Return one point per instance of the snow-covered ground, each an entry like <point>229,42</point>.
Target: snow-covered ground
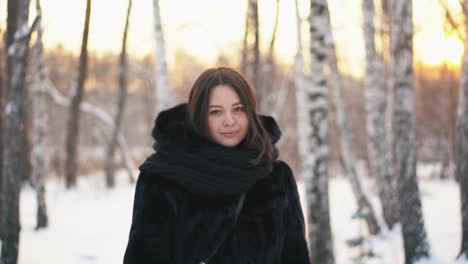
<point>441,209</point>
<point>89,225</point>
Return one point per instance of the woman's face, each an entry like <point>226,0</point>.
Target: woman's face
<point>227,121</point>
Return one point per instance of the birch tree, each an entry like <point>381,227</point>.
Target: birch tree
<point>365,207</point>
<point>318,217</point>
<point>385,33</point>
<point>17,58</point>
<point>462,144</point>
<point>377,140</point>
<point>161,76</point>
<point>110,178</point>
<point>77,91</point>
<point>25,171</point>
<point>303,125</point>
<point>39,126</point>
<point>2,116</point>
<point>404,137</point>
<point>250,63</point>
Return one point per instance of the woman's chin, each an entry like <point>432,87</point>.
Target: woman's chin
<point>228,142</point>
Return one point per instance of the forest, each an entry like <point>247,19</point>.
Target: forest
<point>378,144</point>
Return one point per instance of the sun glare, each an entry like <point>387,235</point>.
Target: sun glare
<point>454,51</point>
<point>439,49</point>
<point>204,33</point>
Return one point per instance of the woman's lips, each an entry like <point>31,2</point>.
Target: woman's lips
<point>229,134</point>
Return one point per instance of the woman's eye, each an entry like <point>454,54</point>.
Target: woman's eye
<point>239,109</point>
<point>215,112</point>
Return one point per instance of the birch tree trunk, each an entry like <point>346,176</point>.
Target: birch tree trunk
<point>110,178</point>
<point>39,127</point>
<point>12,13</point>
<point>17,60</point>
<point>77,89</point>
<point>26,165</point>
<point>163,87</point>
<point>365,206</point>
<point>462,145</point>
<point>250,64</point>
<point>319,229</point>
<point>3,90</point>
<point>12,26</point>
<point>377,141</point>
<point>414,233</point>
<point>303,124</point>
<point>385,35</point>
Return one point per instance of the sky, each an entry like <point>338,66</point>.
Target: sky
<point>206,28</point>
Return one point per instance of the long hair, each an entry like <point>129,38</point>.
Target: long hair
<point>197,109</point>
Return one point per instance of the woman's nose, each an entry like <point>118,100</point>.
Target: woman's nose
<point>229,119</point>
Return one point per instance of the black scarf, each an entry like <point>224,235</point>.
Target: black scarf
<point>201,166</point>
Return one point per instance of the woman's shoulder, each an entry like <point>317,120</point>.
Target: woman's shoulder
<point>282,166</point>
<point>154,182</point>
<point>281,179</point>
<point>274,191</point>
<point>285,174</point>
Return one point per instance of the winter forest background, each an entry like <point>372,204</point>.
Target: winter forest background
<point>371,96</point>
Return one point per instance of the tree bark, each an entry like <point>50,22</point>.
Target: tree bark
<point>319,229</point>
<point>385,35</point>
<point>344,131</point>
<point>110,178</point>
<point>12,21</point>
<point>77,89</point>
<point>39,127</point>
<point>462,145</point>
<point>26,165</point>
<point>365,206</point>
<point>303,125</point>
<point>412,221</point>
<point>3,91</point>
<point>377,140</point>
<point>163,99</point>
<point>17,53</point>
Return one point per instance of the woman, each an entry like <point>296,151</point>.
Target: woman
<point>214,191</point>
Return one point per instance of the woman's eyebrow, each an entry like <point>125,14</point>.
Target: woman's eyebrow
<point>234,104</point>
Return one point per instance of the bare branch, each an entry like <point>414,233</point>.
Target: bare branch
<point>102,115</point>
<point>463,6</point>
<point>450,18</point>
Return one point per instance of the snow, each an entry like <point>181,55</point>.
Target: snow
<point>441,209</point>
<point>90,224</point>
<point>87,225</point>
<point>463,259</point>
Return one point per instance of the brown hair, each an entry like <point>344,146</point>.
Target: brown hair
<point>197,109</point>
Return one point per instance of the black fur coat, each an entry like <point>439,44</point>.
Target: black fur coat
<point>176,221</point>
